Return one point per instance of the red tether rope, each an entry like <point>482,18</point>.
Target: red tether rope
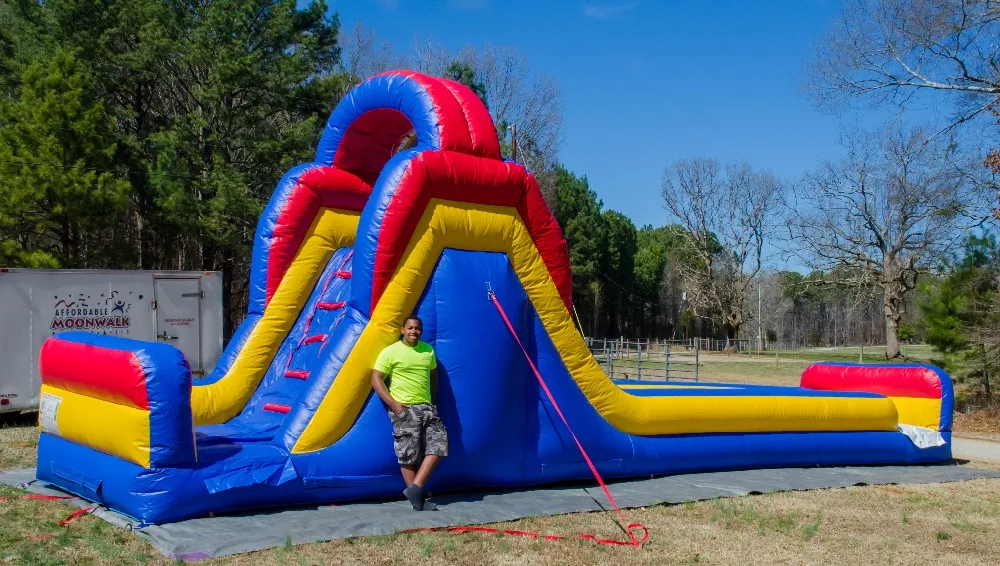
<point>75,514</point>
<point>635,541</point>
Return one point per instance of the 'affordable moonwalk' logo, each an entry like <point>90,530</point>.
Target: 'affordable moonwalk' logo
<point>106,315</point>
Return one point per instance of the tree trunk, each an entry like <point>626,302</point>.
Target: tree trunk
<point>732,330</point>
<point>595,324</point>
<point>892,318</point>
<point>67,237</point>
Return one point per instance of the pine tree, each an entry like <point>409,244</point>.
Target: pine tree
<point>60,184</point>
<point>962,313</point>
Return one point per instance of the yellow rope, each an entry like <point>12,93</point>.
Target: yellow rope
<point>577,315</point>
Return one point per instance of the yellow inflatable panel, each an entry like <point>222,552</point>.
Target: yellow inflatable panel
<point>476,227</point>
<point>220,401</point>
<point>107,427</point>
<point>919,411</point>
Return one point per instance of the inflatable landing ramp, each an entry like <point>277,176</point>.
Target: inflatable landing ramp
<point>351,244</point>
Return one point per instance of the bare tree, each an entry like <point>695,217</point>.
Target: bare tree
<point>992,163</point>
<point>364,55</point>
<point>516,94</point>
<point>727,214</point>
<point>882,215</point>
<point>775,307</point>
<point>890,50</point>
<point>519,95</point>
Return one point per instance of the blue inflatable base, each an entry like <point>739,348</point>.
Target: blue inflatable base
<point>503,432</point>
<point>168,495</point>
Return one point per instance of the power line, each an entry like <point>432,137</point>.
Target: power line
<point>626,291</point>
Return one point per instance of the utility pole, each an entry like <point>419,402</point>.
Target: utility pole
<point>513,142</point>
<point>684,298</point>
<point>760,341</point>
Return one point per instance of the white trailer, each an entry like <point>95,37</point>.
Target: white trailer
<point>181,308</point>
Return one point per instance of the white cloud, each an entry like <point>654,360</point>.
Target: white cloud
<point>608,10</point>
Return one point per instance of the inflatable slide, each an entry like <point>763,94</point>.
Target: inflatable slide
<point>351,244</point>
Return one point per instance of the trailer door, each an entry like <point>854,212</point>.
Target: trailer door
<point>178,317</point>
<point>19,382</point>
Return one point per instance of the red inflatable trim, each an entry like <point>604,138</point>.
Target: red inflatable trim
<point>112,375</point>
<point>482,131</point>
<point>370,141</point>
<point>322,187</point>
<point>884,380</point>
<point>464,178</point>
<point>463,121</point>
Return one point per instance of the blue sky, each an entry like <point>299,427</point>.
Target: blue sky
<point>647,82</point>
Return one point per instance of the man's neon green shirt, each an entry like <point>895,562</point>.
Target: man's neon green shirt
<point>409,369</point>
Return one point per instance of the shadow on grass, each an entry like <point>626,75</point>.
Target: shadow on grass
<point>17,420</point>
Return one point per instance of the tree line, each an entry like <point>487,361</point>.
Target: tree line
<point>150,134</point>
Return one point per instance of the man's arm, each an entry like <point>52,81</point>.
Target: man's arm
<point>434,385</point>
<point>378,384</point>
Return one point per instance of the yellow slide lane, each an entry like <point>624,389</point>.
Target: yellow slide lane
<point>447,224</point>
<point>218,402</point>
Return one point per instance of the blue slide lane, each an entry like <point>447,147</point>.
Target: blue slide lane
<point>502,430</point>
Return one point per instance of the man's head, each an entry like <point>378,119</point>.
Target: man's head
<point>412,329</point>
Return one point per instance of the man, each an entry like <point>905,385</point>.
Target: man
<point>419,436</point>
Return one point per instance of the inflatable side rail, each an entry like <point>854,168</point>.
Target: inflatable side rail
<point>123,397</point>
<point>923,394</point>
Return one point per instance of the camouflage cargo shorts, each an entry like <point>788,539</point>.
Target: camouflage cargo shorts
<point>418,432</point>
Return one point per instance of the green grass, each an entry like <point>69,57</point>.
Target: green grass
<point>810,529</point>
<point>31,534</point>
<point>783,367</point>
<point>731,513</point>
<point>872,354</point>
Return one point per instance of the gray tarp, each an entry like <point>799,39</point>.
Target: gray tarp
<point>196,539</point>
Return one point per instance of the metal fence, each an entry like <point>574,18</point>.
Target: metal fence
<point>713,345</point>
<point>654,360</point>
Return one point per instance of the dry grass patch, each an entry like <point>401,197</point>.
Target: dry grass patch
<point>937,523</point>
<point>18,441</point>
<point>752,371</point>
<point>978,423</point>
<point>914,524</point>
